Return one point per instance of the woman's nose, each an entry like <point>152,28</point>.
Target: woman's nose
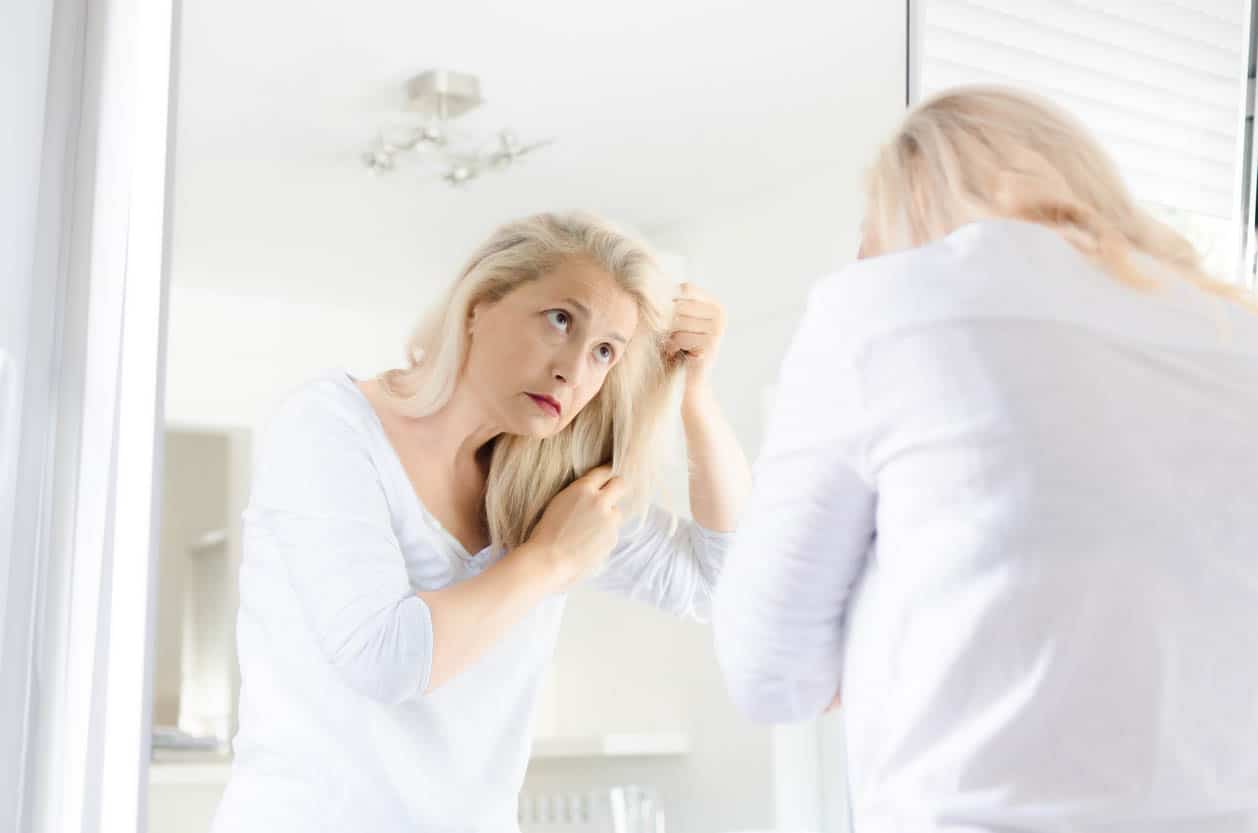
<point>567,368</point>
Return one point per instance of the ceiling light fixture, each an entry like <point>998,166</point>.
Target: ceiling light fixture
<point>440,96</point>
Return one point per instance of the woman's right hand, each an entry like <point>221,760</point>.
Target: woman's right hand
<point>577,531</point>
<point>574,536</point>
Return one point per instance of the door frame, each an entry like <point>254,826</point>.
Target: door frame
<point>92,385</point>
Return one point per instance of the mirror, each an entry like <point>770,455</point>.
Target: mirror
<point>334,169</point>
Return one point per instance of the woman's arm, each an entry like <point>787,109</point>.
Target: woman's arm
<point>780,606</point>
<point>575,533</point>
<point>720,478</point>
<point>472,615</point>
<point>667,562</point>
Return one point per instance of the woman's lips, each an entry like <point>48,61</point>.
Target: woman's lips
<point>547,404</point>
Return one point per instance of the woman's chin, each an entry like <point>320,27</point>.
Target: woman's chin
<point>548,428</point>
<point>537,427</point>
<point>537,423</point>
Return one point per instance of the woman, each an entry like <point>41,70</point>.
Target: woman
<point>1005,503</point>
<point>410,539</point>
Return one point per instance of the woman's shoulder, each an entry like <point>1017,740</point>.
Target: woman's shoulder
<point>319,437</point>
<point>329,402</point>
<point>1018,271</point>
<point>866,299</point>
<point>325,413</point>
<point>989,269</point>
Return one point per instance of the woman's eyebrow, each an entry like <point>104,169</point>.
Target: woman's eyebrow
<point>581,308</point>
<point>585,311</point>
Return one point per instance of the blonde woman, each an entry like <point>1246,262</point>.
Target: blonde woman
<point>410,539</point>
<point>1005,509</point>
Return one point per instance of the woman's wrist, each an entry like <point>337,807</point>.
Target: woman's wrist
<point>537,565</point>
<point>698,399</point>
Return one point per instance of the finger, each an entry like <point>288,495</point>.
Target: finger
<point>712,313</point>
<point>690,324</point>
<point>690,290</point>
<point>597,477</point>
<point>699,309</point>
<point>689,342</point>
<point>613,490</point>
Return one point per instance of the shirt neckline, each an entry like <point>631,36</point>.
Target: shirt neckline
<point>399,471</point>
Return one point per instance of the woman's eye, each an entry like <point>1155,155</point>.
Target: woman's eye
<point>605,353</point>
<point>559,318</point>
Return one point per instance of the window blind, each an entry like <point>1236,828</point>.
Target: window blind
<point>1161,83</point>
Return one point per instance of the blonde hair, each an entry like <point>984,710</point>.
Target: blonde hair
<point>982,152</point>
<point>619,425</point>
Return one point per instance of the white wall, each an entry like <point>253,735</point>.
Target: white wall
<point>230,358</point>
<point>196,679</point>
<point>194,502</point>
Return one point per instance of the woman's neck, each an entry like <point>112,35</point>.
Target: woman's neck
<point>458,435</point>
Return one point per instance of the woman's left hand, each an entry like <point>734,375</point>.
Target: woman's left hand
<point>695,332</point>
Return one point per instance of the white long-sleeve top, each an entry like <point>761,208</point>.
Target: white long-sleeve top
<point>1009,506</point>
<point>336,730</point>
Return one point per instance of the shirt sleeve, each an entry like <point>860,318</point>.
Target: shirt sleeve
<point>779,608</point>
<point>319,500</point>
<point>666,561</point>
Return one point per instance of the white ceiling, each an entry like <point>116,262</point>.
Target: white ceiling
<point>662,110</point>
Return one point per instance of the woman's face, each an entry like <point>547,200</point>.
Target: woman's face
<point>541,353</point>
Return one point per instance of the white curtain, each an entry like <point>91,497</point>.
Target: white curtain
<point>10,442</point>
<point>12,693</point>
<point>24,57</point>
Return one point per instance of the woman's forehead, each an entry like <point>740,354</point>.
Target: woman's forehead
<point>592,288</point>
<point>579,275</point>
